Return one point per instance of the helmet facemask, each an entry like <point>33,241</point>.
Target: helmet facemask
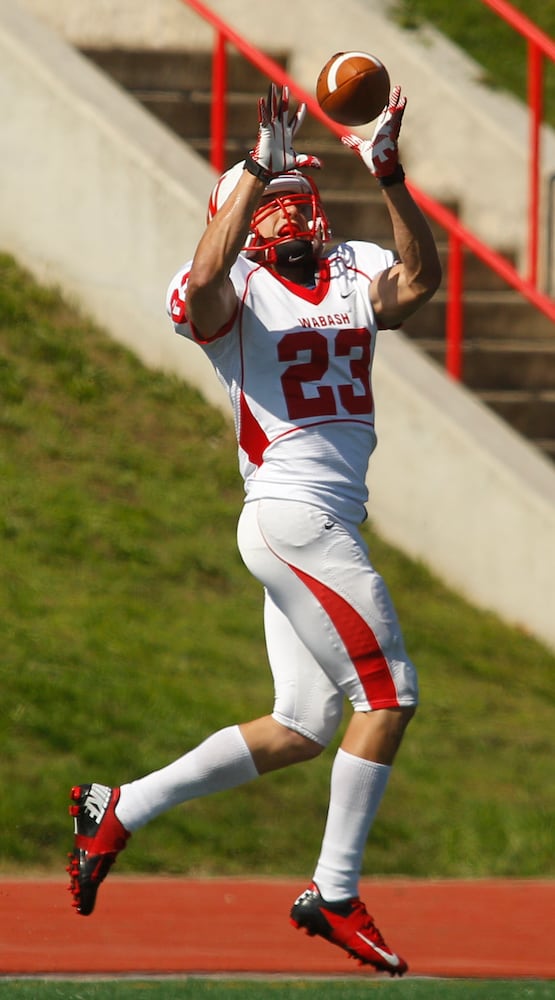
<point>290,189</point>
<point>304,229</point>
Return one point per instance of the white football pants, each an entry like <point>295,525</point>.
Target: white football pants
<point>331,628</point>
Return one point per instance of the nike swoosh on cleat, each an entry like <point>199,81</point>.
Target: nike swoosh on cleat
<point>387,957</point>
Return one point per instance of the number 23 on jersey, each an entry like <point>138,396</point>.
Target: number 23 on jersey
<point>310,357</point>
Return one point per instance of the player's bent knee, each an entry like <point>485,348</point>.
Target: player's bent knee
<point>317,737</point>
<point>394,722</point>
<point>301,747</point>
<point>408,713</point>
<point>397,719</point>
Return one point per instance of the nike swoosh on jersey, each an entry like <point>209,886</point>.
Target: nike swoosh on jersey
<point>389,958</point>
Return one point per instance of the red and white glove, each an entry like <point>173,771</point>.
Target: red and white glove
<point>381,153</point>
<point>274,153</point>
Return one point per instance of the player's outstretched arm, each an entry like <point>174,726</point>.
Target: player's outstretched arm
<point>211,299</point>
<point>404,287</point>
<point>397,292</point>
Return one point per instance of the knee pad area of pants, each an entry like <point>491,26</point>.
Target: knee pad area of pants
<point>319,728</point>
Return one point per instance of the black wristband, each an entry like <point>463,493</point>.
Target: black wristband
<point>256,169</point>
<point>396,177</point>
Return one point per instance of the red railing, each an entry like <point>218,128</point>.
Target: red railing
<point>539,46</point>
<point>459,236</point>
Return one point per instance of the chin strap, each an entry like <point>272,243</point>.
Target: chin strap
<point>294,256</point>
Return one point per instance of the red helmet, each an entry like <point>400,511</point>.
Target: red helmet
<point>299,189</point>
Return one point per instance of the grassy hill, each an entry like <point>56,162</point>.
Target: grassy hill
<point>131,630</point>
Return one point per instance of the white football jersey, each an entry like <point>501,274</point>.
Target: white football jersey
<point>296,365</point>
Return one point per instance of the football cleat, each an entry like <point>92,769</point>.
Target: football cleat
<point>348,925</point>
<point>99,837</point>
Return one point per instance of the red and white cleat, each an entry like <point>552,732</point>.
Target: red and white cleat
<point>348,925</point>
<point>99,837</point>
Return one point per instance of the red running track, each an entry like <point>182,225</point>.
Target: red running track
<point>487,929</point>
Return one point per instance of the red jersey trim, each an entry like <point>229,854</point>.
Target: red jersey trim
<point>314,295</point>
<point>369,423</point>
<point>219,333</point>
<point>252,438</point>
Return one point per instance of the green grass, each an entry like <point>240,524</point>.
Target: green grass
<point>479,31</point>
<point>130,630</point>
<point>198,989</point>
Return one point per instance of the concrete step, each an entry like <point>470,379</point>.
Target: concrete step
<point>492,315</point>
<point>178,71</point>
<point>360,214</point>
<point>528,407</point>
<point>546,445</point>
<point>531,413</point>
<point>511,366</point>
<point>496,365</point>
<point>477,276</point>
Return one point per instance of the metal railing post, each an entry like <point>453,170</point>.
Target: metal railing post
<point>550,248</point>
<point>454,312</point>
<point>535,102</point>
<point>539,46</point>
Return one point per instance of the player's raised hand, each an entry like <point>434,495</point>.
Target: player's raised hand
<point>381,153</point>
<point>274,152</point>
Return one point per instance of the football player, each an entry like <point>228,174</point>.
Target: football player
<point>290,323</point>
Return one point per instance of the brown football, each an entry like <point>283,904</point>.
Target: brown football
<point>353,88</point>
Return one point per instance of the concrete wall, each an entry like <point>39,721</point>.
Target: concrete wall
<point>453,485</point>
<point>104,201</point>
<point>96,195</point>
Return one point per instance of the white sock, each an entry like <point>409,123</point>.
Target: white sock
<point>357,787</point>
<point>222,761</point>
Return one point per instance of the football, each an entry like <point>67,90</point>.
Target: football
<point>353,88</point>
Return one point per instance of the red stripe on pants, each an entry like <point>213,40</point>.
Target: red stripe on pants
<point>360,643</point>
